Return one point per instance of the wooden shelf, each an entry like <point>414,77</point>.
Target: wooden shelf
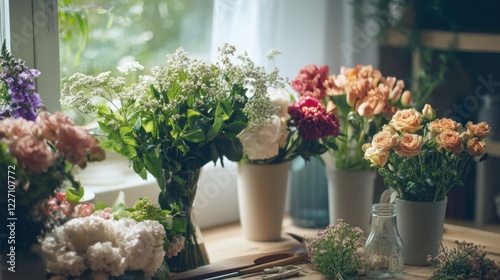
<point>445,40</point>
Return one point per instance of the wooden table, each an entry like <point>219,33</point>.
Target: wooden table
<point>225,242</point>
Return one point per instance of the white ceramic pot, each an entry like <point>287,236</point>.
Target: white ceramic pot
<point>350,196</point>
<point>261,197</point>
<point>420,225</point>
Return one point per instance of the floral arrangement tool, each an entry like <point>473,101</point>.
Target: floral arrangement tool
<point>244,265</point>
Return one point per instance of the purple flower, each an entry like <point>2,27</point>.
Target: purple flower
<point>20,95</point>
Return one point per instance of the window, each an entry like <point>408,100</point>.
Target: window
<point>4,20</point>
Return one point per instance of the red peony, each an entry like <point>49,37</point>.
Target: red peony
<point>312,120</point>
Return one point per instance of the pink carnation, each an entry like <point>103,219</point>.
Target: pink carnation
<point>310,81</point>
<point>312,120</point>
<point>33,153</point>
<point>83,210</point>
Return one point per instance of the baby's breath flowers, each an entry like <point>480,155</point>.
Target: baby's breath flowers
<point>183,114</point>
<point>334,251</point>
<point>466,261</point>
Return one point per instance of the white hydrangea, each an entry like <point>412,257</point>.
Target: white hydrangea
<point>104,246</point>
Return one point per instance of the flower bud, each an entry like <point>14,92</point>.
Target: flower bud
<point>428,112</point>
<point>406,99</point>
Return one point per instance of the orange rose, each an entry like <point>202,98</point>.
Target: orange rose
<point>384,141</point>
<point>444,124</point>
<point>409,145</point>
<point>451,141</point>
<point>33,153</point>
<point>407,120</point>
<point>481,129</point>
<point>376,157</point>
<point>476,147</point>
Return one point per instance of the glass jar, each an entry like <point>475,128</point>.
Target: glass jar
<point>384,251</point>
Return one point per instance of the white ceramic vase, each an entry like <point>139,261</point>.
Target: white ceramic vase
<point>420,225</point>
<point>350,196</point>
<point>261,197</point>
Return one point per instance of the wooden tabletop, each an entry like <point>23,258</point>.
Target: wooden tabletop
<point>226,242</point>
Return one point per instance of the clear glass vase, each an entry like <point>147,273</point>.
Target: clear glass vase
<point>181,188</point>
<point>309,194</point>
<point>384,251</point>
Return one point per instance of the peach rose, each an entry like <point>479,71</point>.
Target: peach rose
<point>406,99</point>
<point>428,112</point>
<point>476,147</point>
<point>389,129</point>
<point>444,124</point>
<point>481,129</point>
<point>384,141</point>
<point>33,153</point>
<point>451,141</point>
<point>407,120</point>
<point>376,157</point>
<point>409,145</point>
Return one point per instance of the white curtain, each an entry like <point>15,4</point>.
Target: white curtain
<point>306,32</point>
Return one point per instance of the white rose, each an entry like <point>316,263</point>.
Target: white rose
<point>262,142</point>
<point>281,98</point>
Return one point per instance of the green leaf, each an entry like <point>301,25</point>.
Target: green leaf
<point>193,116</point>
<point>129,141</point>
<point>104,110</point>
<point>105,127</point>
<point>179,225</point>
<point>194,135</point>
<point>236,127</point>
<point>100,206</point>
<point>227,109</point>
<point>75,195</point>
<point>215,130</point>
<point>149,126</point>
<point>153,164</point>
<point>128,152</point>
<point>125,130</point>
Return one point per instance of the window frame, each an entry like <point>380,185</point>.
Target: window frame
<point>33,36</point>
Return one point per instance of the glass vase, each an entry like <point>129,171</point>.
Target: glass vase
<point>384,251</point>
<point>309,194</point>
<point>181,188</point>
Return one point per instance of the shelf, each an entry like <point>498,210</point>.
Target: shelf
<point>445,40</point>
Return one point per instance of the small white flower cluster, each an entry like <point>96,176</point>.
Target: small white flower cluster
<point>180,78</point>
<point>106,247</point>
